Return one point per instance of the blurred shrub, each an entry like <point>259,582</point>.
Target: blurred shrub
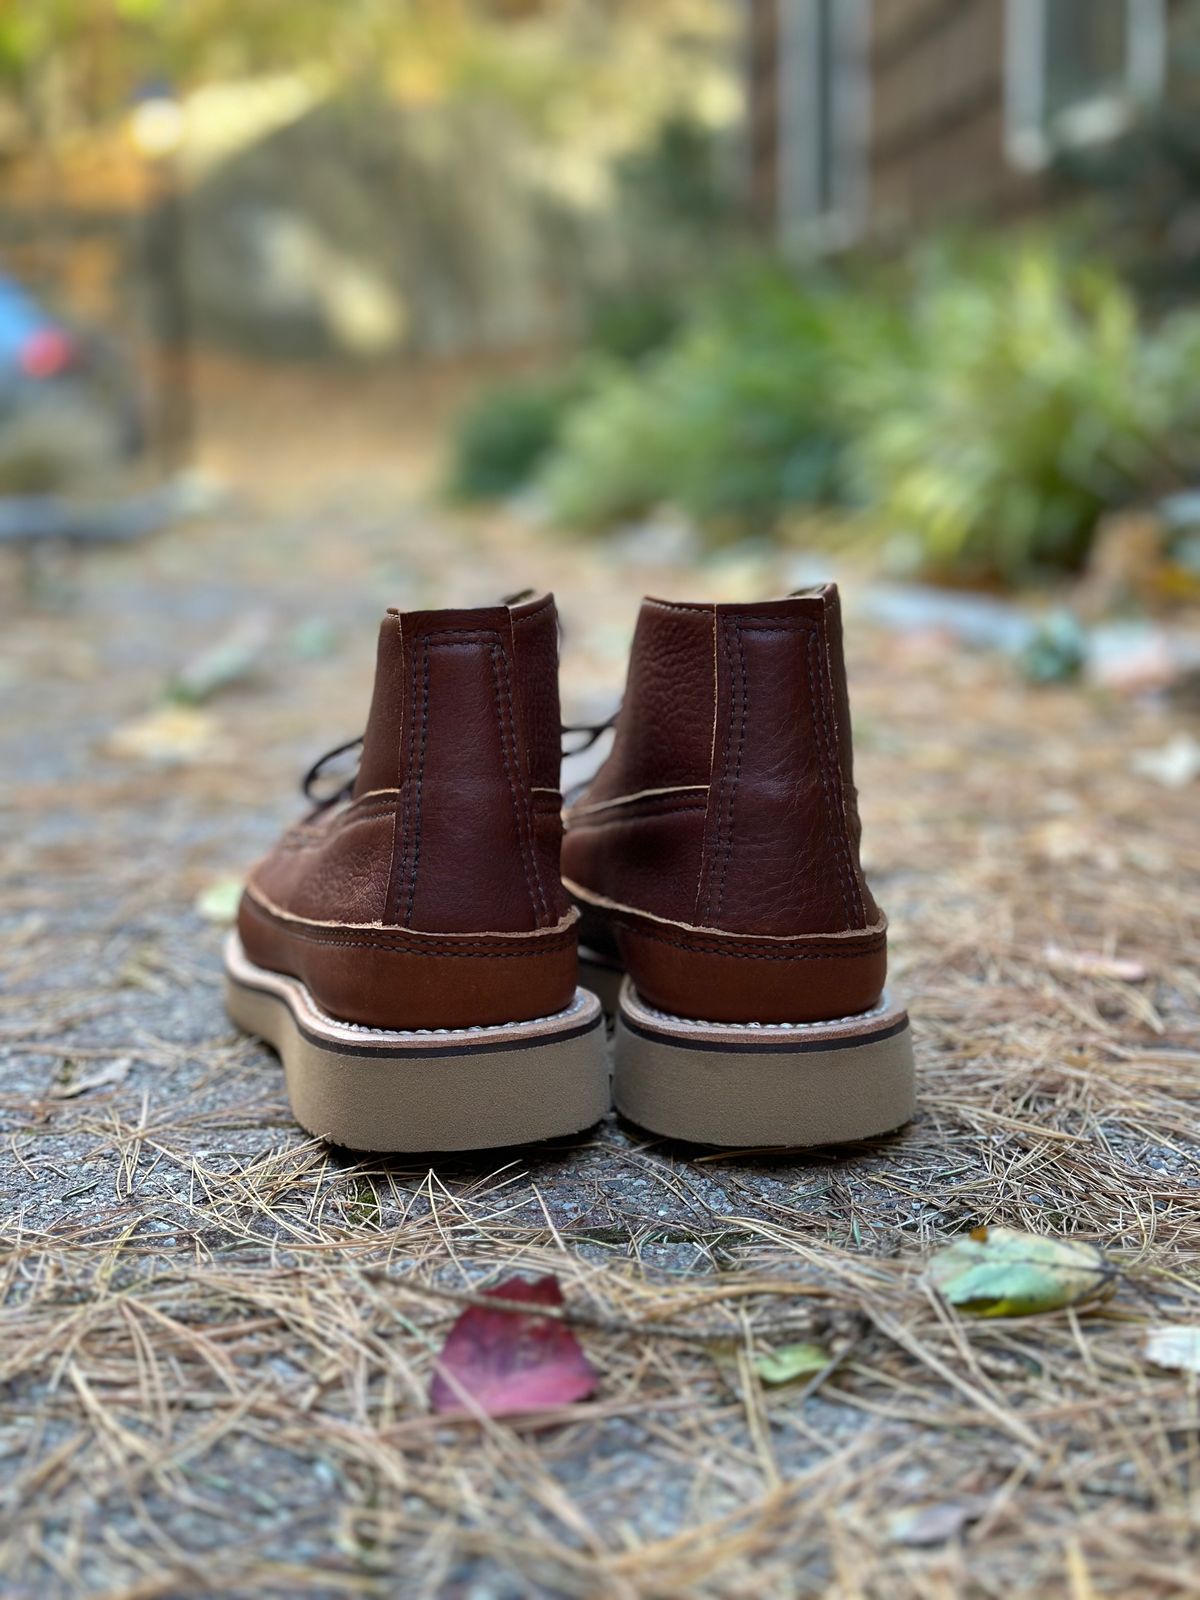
<point>1022,400</point>
<point>503,438</point>
<point>732,422</point>
<point>990,401</point>
<point>634,323</point>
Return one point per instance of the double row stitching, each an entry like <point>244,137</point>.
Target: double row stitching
<point>419,781</point>
<point>400,867</point>
<point>529,865</point>
<point>828,757</point>
<point>704,889</point>
<point>743,700</point>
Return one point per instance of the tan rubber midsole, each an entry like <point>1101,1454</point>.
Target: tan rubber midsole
<point>453,1089</point>
<point>769,1085</point>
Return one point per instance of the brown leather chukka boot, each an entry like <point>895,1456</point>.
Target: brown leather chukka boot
<point>715,858</point>
<point>408,948</point>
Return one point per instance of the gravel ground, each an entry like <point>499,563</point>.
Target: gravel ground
<point>217,1333</point>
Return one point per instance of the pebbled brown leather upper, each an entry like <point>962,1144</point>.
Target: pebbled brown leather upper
<point>718,845</point>
<point>432,898</point>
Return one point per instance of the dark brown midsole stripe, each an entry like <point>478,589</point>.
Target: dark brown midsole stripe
<point>418,1052</point>
<point>801,1047</point>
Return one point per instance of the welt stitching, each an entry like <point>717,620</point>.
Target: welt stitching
<point>536,895</point>
<point>547,943</point>
<point>755,955</point>
<point>474,953</point>
<point>744,698</point>
<point>837,815</point>
<point>420,784</point>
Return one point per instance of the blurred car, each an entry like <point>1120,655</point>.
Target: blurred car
<point>68,403</point>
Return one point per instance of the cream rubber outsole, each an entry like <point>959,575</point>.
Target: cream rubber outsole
<point>763,1084</point>
<point>452,1089</point>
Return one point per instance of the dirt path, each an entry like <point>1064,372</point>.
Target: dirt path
<point>217,1334</point>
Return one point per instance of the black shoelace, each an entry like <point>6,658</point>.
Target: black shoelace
<point>587,732</point>
<point>322,802</point>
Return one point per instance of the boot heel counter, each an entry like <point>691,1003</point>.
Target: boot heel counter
<point>781,837</point>
<point>475,844</point>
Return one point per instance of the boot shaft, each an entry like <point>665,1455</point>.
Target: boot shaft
<point>728,801</point>
<point>463,740</point>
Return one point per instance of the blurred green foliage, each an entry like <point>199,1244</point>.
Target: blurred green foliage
<point>731,421</point>
<point>507,433</point>
<point>989,400</point>
<point>1019,398</point>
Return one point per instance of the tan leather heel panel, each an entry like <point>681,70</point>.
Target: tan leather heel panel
<point>382,978</point>
<point>694,975</point>
<point>649,858</point>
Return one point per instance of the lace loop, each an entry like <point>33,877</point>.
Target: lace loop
<point>589,731</point>
<point>323,802</point>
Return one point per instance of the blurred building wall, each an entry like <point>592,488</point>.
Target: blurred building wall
<point>878,118</point>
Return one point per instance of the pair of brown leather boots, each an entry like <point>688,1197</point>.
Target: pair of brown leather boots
<point>432,955</point>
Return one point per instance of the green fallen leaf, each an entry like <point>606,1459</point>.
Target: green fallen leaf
<point>790,1361</point>
<point>1174,1346</point>
<point>219,902</point>
<point>1002,1272</point>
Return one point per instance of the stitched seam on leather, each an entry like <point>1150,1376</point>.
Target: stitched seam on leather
<point>766,1027</point>
<point>591,900</point>
<point>530,616</point>
<point>542,942</point>
<point>845,791</point>
<point>396,831</point>
<point>834,795</point>
<point>419,795</point>
<point>821,729</point>
<point>827,756</point>
<point>480,954</point>
<point>755,955</point>
<point>629,814</point>
<point>700,791</point>
<point>399,873</point>
<point>702,906</point>
<point>744,699</point>
<point>521,818</point>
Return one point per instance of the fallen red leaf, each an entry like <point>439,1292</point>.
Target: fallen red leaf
<point>509,1361</point>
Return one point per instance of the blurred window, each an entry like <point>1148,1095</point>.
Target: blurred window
<point>1077,69</point>
<point>824,108</point>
